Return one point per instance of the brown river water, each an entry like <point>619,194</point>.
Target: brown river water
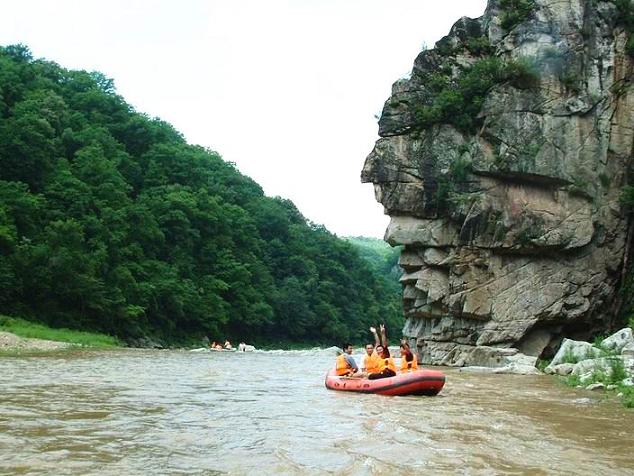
<point>130,412</point>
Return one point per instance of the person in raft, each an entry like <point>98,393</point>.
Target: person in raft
<point>346,366</point>
<point>372,360</point>
<point>409,361</point>
<point>387,367</point>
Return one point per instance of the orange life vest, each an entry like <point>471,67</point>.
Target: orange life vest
<point>387,364</point>
<point>405,365</point>
<point>372,363</point>
<point>342,365</point>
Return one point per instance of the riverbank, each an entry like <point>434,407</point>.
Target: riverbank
<point>19,336</point>
<point>606,365</point>
<point>11,343</point>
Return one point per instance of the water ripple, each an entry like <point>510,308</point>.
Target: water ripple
<point>169,412</point>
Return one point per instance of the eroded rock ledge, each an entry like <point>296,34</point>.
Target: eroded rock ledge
<point>513,231</point>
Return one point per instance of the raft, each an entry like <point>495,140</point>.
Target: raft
<point>209,349</point>
<point>418,382</point>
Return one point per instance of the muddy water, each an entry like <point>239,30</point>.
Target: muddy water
<point>170,412</point>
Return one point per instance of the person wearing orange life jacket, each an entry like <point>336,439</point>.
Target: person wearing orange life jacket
<point>409,361</point>
<point>345,363</point>
<point>372,359</point>
<point>387,367</point>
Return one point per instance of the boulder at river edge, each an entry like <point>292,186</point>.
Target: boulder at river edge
<point>585,360</point>
<point>514,236</point>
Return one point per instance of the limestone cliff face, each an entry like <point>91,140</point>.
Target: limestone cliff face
<point>513,231</point>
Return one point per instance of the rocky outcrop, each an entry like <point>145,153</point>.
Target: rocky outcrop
<point>611,361</point>
<point>500,163</point>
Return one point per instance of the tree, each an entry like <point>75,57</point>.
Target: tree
<point>110,221</point>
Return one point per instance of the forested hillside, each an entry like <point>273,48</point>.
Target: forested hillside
<point>381,256</point>
<point>110,221</point>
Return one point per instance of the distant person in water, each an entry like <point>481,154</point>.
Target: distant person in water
<point>409,361</point>
<point>228,345</point>
<point>345,364</point>
<point>387,367</point>
<point>242,347</point>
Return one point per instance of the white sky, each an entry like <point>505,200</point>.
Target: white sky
<point>286,89</point>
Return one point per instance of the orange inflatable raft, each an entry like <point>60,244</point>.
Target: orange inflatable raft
<point>418,382</point>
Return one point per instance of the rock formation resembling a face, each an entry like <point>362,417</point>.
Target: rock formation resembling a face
<point>501,165</point>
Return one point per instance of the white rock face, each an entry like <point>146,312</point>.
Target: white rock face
<point>619,340</point>
<point>513,230</point>
<point>561,369</point>
<point>627,352</point>
<point>573,350</point>
<point>586,368</point>
<point>504,361</point>
<point>594,364</point>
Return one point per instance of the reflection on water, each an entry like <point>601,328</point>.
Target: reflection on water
<point>170,412</point>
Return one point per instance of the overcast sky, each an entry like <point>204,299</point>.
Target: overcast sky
<point>286,89</point>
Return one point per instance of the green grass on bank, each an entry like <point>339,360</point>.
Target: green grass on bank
<point>24,328</point>
<point>626,393</point>
<point>611,378</point>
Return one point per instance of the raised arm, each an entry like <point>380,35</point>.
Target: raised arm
<point>383,335</point>
<point>376,336</point>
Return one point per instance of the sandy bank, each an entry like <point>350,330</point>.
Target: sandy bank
<point>11,342</point>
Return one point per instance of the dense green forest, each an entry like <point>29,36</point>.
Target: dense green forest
<point>110,221</point>
<point>381,256</point>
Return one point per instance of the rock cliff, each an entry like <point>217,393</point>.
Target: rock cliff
<point>500,161</point>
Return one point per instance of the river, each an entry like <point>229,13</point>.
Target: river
<point>177,412</point>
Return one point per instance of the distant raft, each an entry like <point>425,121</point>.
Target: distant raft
<point>418,382</point>
<point>245,348</point>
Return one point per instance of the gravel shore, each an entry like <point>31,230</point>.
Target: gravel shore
<point>11,342</point>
